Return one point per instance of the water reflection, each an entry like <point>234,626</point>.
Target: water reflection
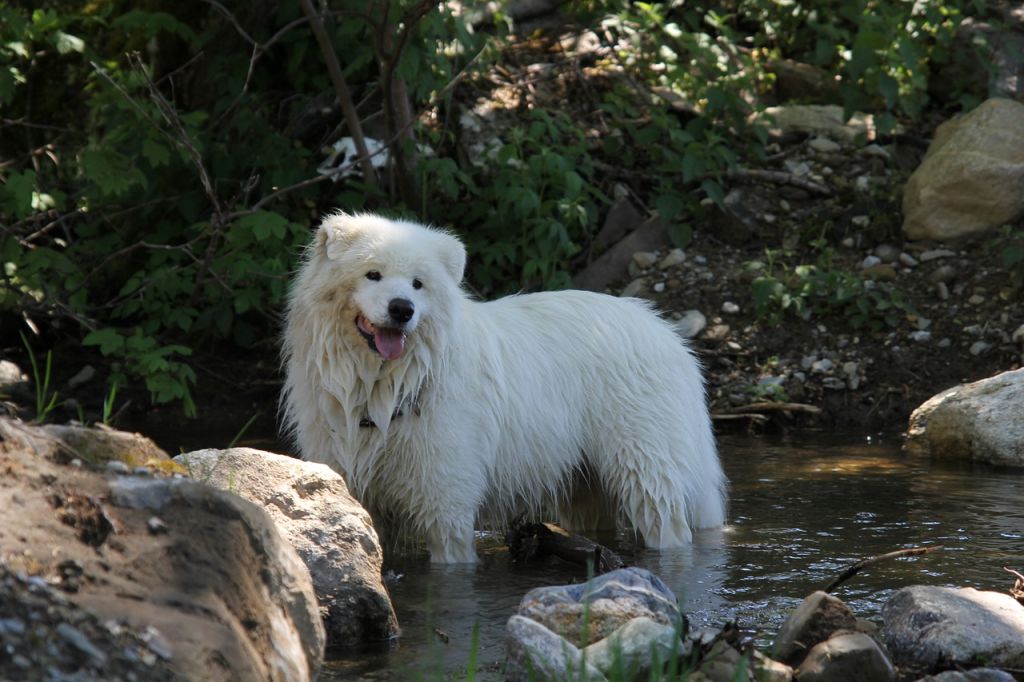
<point>801,511</point>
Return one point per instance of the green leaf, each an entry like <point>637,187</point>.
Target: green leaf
<point>264,224</point>
<point>668,206</point>
<point>112,173</point>
<point>156,153</point>
<point>714,190</point>
<point>107,339</point>
<point>19,190</point>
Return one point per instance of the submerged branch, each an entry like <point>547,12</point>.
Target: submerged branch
<point>864,563</point>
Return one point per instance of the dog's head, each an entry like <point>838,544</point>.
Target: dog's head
<point>394,275</point>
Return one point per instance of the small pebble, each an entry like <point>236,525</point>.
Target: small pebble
<point>944,343</point>
<point>156,525</point>
<point>870,262</point>
<point>862,183</point>
<point>920,336</point>
<point>1018,336</point>
<point>645,259</point>
<point>888,253</point>
<point>12,626</point>
<point>908,260</point>
<point>976,299</point>
<point>75,638</point>
<point>730,308</point>
<point>860,220</point>
<point>943,273</point>
<point>824,145</point>
<point>634,287</point>
<point>942,291</point>
<point>658,287</point>
<point>979,347</point>
<point>935,254</point>
<point>877,151</point>
<point>690,324</point>
<point>822,366</point>
<point>847,242</point>
<point>673,257</point>
<point>116,466</point>
<point>833,383</point>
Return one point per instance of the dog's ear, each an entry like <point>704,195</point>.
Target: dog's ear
<point>453,256</point>
<point>336,234</point>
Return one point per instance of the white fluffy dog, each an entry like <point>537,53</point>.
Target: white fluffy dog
<point>440,410</point>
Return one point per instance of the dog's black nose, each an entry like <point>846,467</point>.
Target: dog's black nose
<point>400,310</point>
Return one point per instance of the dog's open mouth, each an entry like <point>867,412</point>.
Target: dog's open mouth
<point>388,342</point>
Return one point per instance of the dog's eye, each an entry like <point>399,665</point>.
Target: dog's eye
<point>417,284</point>
<point>373,275</point>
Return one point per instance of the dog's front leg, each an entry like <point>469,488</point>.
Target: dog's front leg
<point>451,543</point>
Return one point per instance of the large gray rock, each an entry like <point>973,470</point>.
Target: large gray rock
<point>634,647</point>
<point>935,628</point>
<point>536,654</point>
<point>609,601</point>
<point>331,532</point>
<point>982,421</point>
<point>970,179</point>
<point>813,621</point>
<point>851,657</point>
<point>203,573</point>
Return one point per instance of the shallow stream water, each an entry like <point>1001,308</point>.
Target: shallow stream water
<point>801,510</point>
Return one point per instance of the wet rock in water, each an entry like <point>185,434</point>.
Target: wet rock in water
<point>969,181</point>
<point>934,628</point>
<point>536,654</point>
<point>817,617</point>
<point>849,657</point>
<point>330,530</point>
<point>609,602</point>
<point>216,594</point>
<point>982,421</point>
<point>634,647</point>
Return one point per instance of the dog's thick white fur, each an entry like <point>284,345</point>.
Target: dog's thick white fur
<point>441,411</point>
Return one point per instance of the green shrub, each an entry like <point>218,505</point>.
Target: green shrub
<point>818,290</point>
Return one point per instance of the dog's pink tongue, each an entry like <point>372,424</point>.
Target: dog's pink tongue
<point>390,342</point>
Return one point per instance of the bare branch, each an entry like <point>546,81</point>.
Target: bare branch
<point>341,90</point>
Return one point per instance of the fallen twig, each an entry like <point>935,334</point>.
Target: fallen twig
<point>778,178</point>
<point>532,540</point>
<point>864,563</point>
<point>1017,591</point>
<point>753,417</point>
<point>767,406</point>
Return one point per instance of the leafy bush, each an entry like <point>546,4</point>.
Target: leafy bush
<point>818,290</point>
